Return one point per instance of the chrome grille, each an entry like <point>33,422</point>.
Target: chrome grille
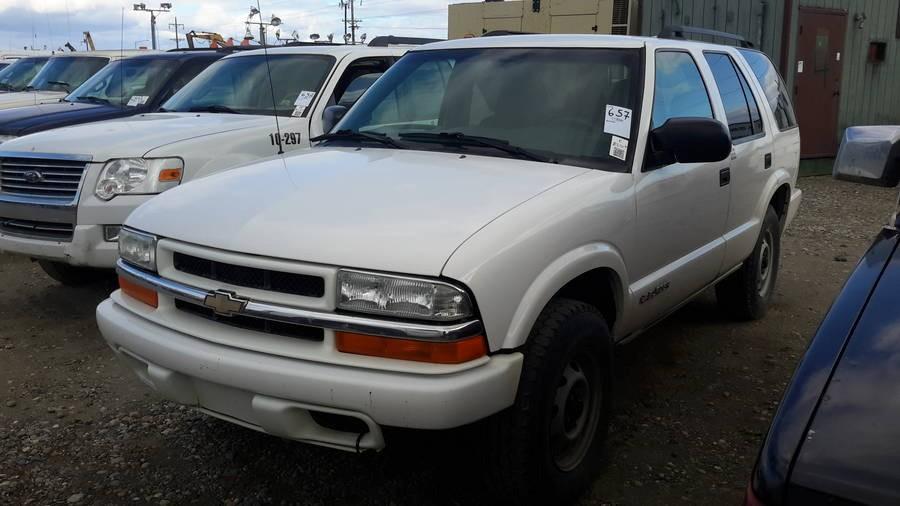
<point>41,177</point>
<point>37,229</point>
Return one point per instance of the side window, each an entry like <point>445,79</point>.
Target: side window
<point>740,106</point>
<point>351,78</point>
<point>679,91</point>
<point>773,86</point>
<point>356,88</point>
<point>189,71</point>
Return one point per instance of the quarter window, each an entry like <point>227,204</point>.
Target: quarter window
<point>740,106</point>
<point>773,87</point>
<point>679,89</point>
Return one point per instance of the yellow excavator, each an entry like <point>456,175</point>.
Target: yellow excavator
<point>215,40</point>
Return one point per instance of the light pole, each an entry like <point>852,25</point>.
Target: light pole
<point>163,7</point>
<point>273,21</point>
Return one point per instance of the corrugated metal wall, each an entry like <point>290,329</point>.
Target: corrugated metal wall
<point>870,92</point>
<point>759,21</point>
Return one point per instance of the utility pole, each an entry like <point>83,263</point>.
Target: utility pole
<point>176,25</point>
<point>350,23</point>
<point>163,7</point>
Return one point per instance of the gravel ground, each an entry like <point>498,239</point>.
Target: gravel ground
<point>695,397</point>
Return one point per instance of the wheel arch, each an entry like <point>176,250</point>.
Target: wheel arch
<point>593,273</point>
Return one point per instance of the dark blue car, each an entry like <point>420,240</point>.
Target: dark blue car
<point>835,438</point>
<point>123,88</point>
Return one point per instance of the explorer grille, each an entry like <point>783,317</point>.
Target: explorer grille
<point>41,177</point>
<point>251,277</point>
<point>37,229</point>
<point>253,323</point>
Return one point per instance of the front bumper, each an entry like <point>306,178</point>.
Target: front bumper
<point>87,248</point>
<point>276,394</point>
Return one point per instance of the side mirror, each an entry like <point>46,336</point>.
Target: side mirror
<point>332,116</point>
<point>869,155</point>
<point>689,140</point>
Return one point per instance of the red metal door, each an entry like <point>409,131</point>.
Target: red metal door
<point>817,79</point>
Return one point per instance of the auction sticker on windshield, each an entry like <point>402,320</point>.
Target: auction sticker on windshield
<point>617,121</point>
<point>302,102</point>
<point>137,100</point>
<point>618,148</point>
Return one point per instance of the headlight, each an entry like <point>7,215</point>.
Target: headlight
<point>138,176</point>
<point>138,249</point>
<point>4,138</point>
<point>402,297</point>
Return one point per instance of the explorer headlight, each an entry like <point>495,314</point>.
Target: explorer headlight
<point>138,249</point>
<point>4,138</point>
<point>402,297</point>
<point>138,176</point>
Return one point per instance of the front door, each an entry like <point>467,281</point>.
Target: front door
<point>817,81</point>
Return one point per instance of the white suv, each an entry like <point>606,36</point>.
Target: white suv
<point>64,193</point>
<point>469,243</point>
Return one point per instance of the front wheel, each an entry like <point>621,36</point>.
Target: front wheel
<point>547,447</point>
<point>71,275</point>
<point>746,294</point>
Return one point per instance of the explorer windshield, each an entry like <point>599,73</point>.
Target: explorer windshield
<point>540,104</point>
<point>128,83</point>
<point>240,85</point>
<point>67,73</point>
<point>19,73</point>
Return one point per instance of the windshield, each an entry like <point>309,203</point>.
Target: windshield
<point>67,73</point>
<point>240,85</point>
<point>128,83</point>
<point>19,73</point>
<point>554,104</point>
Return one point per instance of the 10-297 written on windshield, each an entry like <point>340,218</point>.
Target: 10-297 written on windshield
<point>284,138</point>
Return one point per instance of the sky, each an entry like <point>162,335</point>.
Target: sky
<point>52,23</point>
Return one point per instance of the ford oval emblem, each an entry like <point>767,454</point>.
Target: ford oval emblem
<point>33,176</point>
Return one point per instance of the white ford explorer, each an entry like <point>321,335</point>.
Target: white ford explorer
<point>468,244</point>
<point>64,193</point>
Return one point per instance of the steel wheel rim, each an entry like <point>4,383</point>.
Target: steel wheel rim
<point>576,411</point>
<point>765,264</point>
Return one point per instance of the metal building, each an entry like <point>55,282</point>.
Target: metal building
<point>840,57</point>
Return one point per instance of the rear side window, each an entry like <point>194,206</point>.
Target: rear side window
<point>679,91</point>
<point>773,86</point>
<point>740,106</point>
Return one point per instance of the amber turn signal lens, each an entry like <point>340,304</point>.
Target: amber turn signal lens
<point>436,352</point>
<point>136,291</point>
<point>169,175</point>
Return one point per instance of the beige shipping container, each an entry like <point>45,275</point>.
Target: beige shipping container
<point>542,16</point>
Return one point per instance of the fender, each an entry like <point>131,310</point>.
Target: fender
<point>779,177</point>
<point>555,276</point>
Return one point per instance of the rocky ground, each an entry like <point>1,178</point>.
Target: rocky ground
<point>696,395</point>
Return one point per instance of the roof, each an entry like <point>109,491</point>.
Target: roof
<point>110,53</point>
<point>336,50</point>
<point>565,40</point>
<point>179,55</point>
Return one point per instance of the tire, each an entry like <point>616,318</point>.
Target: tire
<point>746,294</point>
<point>70,275</point>
<point>565,388</point>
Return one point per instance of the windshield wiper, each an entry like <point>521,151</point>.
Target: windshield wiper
<point>366,136</point>
<point>214,109</point>
<point>461,139</point>
<point>60,83</point>
<point>93,99</point>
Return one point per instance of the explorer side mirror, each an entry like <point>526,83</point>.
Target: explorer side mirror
<point>869,155</point>
<point>332,115</point>
<point>689,140</point>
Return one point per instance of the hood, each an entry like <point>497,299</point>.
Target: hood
<point>852,447</point>
<point>35,118</point>
<point>134,136</point>
<point>381,209</point>
<point>23,98</point>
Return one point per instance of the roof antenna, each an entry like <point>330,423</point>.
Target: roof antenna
<point>272,89</point>
<point>122,63</point>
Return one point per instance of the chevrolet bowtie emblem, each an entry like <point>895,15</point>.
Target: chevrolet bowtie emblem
<point>224,303</point>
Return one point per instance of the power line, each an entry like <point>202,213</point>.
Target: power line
<point>406,14</point>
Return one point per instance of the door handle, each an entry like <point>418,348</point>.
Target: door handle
<point>724,177</point>
<point>768,160</point>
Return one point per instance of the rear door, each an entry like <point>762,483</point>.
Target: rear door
<point>751,156</point>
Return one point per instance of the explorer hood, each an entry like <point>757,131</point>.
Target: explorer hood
<point>132,137</point>
<point>23,98</point>
<point>382,209</point>
<point>36,118</point>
